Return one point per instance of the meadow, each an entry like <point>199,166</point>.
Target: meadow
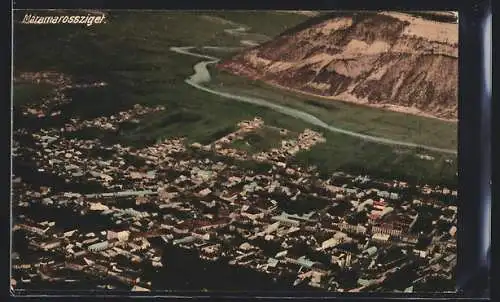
<point>358,118</point>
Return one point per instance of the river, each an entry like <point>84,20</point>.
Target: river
<point>202,76</point>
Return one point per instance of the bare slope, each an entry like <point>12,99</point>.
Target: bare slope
<point>395,60</point>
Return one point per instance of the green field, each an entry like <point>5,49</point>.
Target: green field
<point>131,53</point>
<point>262,139</point>
<point>267,23</point>
<point>30,93</point>
<point>366,120</point>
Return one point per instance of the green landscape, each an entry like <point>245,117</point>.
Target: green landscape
<point>373,121</point>
<point>28,92</point>
<point>262,139</point>
<point>131,53</point>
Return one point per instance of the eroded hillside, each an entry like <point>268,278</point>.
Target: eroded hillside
<point>395,60</point>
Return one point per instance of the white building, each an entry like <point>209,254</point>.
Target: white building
<point>381,237</point>
<point>100,246</point>
<point>329,243</point>
<point>97,206</point>
<point>121,236</point>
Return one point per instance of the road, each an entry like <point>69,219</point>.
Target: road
<point>202,76</point>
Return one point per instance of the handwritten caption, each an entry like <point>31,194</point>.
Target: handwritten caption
<point>88,20</point>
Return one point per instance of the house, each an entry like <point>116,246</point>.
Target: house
<point>204,192</point>
<point>329,243</point>
<point>272,262</point>
<point>121,236</point>
<point>381,237</point>
<point>100,246</point>
<point>453,231</point>
<point>138,288</point>
<point>51,245</point>
<point>97,206</point>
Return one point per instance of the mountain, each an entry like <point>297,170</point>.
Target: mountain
<point>400,61</point>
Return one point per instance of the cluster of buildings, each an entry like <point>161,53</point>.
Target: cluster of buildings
<point>288,147</point>
<point>112,123</point>
<point>110,254</point>
<point>57,96</point>
<point>344,233</point>
<point>44,77</point>
<point>223,145</point>
<point>305,141</point>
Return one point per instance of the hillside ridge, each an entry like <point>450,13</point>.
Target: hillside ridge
<point>399,61</point>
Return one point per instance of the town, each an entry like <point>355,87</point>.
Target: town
<point>117,207</point>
